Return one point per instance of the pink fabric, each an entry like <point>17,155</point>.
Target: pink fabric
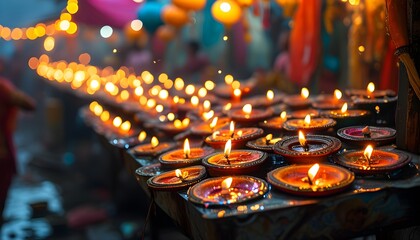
<point>115,13</point>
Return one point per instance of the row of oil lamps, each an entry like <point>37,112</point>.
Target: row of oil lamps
<point>306,140</point>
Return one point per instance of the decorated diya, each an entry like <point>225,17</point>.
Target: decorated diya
<point>264,143</point>
<point>370,161</point>
<point>275,123</point>
<point>303,113</point>
<point>298,101</point>
<point>207,128</point>
<point>239,137</point>
<point>154,148</point>
<point>345,117</point>
<point>184,157</point>
<point>222,191</point>
<point>309,149</point>
<point>327,102</point>
<point>178,179</point>
<point>364,135</point>
<point>309,125</point>
<point>234,162</point>
<point>370,93</point>
<point>249,115</point>
<point>311,180</point>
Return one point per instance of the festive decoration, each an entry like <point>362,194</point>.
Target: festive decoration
<point>150,15</point>
<point>226,11</point>
<point>175,16</point>
<point>195,5</point>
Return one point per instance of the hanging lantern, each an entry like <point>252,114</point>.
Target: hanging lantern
<point>150,14</point>
<point>166,33</point>
<point>175,16</point>
<point>227,12</point>
<point>191,5</point>
<point>245,3</point>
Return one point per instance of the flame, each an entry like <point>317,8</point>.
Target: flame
<point>227,107</point>
<point>117,122</point>
<point>283,115</point>
<point>268,137</point>
<point>215,134</point>
<point>239,133</point>
<point>368,152</point>
<point>185,122</point>
<point>187,150</point>
<point>206,105</point>
<point>344,108</point>
<point>247,109</point>
<point>105,116</point>
<point>337,94</point>
<point>195,101</point>
<point>98,109</point>
<point>307,119</point>
<point>125,126</point>
<point>231,128</point>
<point>208,115</point>
<point>302,139</point>
<point>177,123</point>
<point>237,92</point>
<point>270,95</point>
<point>226,183</point>
<point>304,93</point>
<point>228,148</point>
<point>214,122</point>
<point>142,136</point>
<point>154,142</point>
<point>312,172</point>
<point>371,87</point>
<point>178,173</point>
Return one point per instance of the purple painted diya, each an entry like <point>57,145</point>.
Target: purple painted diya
<point>364,135</point>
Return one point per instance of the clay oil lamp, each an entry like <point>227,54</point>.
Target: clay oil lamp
<point>177,179</point>
<point>313,113</point>
<point>144,173</point>
<point>184,157</point>
<point>239,137</point>
<point>234,162</point>
<point>175,127</point>
<point>269,99</point>
<point>223,191</point>
<point>328,102</point>
<point>298,101</point>
<point>207,128</point>
<point>364,135</point>
<point>347,117</point>
<point>264,143</point>
<point>310,125</point>
<point>309,149</point>
<point>371,162</point>
<point>153,149</point>
<point>311,180</point>
<point>370,93</point>
<point>274,124</point>
<point>248,115</point>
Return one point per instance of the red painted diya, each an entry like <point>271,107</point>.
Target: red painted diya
<point>154,148</point>
<point>249,115</point>
<point>177,179</point>
<point>309,149</point>
<point>265,144</point>
<point>235,163</point>
<point>298,101</point>
<point>184,157</point>
<point>224,191</point>
<point>311,180</point>
<point>309,125</point>
<point>238,136</point>
<point>275,123</point>
<point>329,101</point>
<point>364,135</point>
<point>345,117</point>
<point>207,128</point>
<point>370,162</point>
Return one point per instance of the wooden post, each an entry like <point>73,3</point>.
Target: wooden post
<point>408,110</point>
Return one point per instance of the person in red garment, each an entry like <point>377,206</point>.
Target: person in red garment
<point>11,100</point>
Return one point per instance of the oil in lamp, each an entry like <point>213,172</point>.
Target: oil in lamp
<point>298,101</point>
<point>234,162</point>
<point>250,115</point>
<point>307,149</point>
<point>184,157</point>
<point>154,148</point>
<point>222,191</point>
<point>177,179</point>
<point>309,125</point>
<point>275,123</point>
<point>364,135</point>
<point>264,143</point>
<point>345,117</point>
<point>371,162</point>
<point>239,137</point>
<point>311,179</point>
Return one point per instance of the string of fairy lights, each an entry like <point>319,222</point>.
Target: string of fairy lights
<point>64,24</point>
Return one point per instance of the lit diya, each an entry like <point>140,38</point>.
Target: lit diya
<point>264,143</point>
<point>269,99</point>
<point>298,101</point>
<point>177,179</point>
<point>184,157</point>
<point>370,93</point>
<point>309,149</point>
<point>207,128</point>
<point>364,135</point>
<point>129,141</point>
<point>370,162</point>
<point>309,125</point>
<point>311,180</point>
<point>223,191</point>
<point>313,113</point>
<point>249,115</point>
<point>175,127</point>
<point>275,123</point>
<point>327,102</point>
<point>346,117</point>
<point>154,148</point>
<point>234,162</point>
<point>239,137</point>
